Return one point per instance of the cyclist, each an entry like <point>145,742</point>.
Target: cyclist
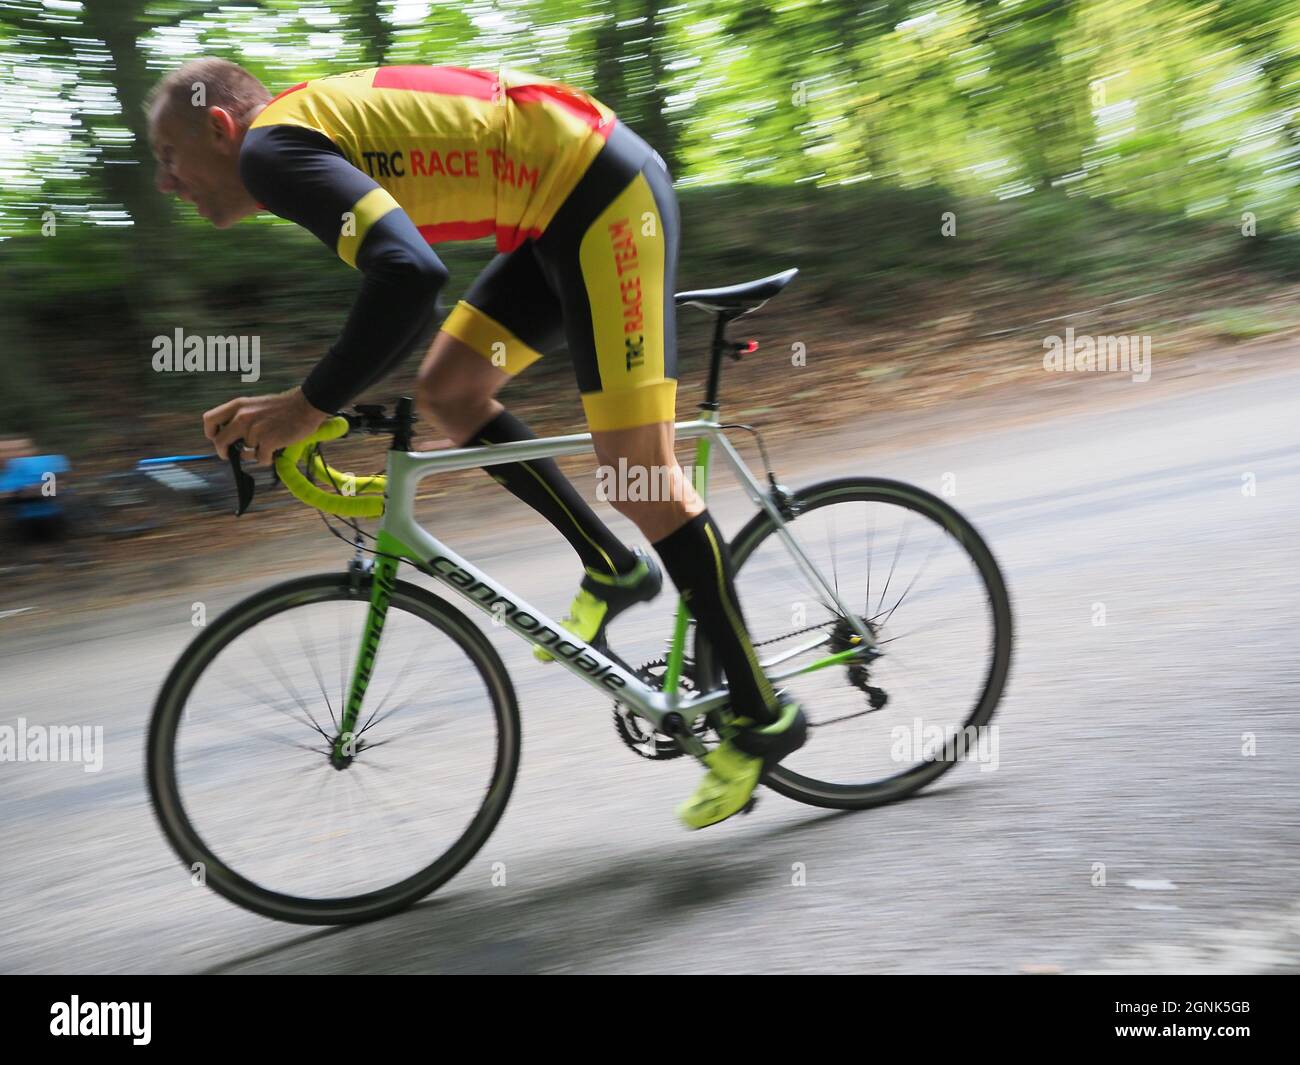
<point>379,164</point>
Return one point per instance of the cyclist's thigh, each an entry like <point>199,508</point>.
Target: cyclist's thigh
<point>610,255</point>
<point>509,316</point>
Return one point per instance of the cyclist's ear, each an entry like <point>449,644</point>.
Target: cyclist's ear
<point>223,127</point>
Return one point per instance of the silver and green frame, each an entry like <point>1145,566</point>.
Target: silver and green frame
<point>400,537</point>
<point>323,857</point>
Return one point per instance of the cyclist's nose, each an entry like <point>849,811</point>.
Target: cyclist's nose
<point>167,182</point>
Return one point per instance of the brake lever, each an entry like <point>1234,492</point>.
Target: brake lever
<point>244,483</point>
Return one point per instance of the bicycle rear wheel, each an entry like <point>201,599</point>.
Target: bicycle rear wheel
<point>239,746</point>
<point>930,591</point>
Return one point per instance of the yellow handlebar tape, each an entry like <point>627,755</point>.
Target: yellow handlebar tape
<point>368,500</point>
<point>349,483</point>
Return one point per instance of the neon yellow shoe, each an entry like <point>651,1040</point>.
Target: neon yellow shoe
<point>601,598</point>
<point>737,765</point>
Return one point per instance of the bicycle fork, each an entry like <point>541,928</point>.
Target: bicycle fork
<point>383,584</point>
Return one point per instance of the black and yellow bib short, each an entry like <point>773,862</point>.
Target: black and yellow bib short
<point>599,278</point>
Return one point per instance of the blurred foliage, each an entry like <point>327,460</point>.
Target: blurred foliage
<point>1089,141</point>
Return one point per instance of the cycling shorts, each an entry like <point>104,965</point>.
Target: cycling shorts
<point>600,279</point>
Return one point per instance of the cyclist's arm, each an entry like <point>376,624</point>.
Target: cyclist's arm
<point>300,175</point>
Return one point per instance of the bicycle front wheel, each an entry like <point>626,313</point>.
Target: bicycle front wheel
<point>922,580</point>
<point>239,752</point>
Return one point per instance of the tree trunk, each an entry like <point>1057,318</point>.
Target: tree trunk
<point>658,130</point>
<point>374,30</point>
<point>150,281</point>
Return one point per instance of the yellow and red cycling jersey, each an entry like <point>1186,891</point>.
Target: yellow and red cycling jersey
<point>466,153</point>
<point>381,163</point>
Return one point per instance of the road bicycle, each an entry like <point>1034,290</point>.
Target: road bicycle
<point>336,747</point>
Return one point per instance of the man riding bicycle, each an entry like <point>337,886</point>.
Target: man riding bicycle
<point>381,163</point>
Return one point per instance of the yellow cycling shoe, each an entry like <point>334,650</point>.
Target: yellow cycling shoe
<point>602,598</point>
<point>737,765</point>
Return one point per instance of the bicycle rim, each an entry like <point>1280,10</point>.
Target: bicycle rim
<point>939,692</point>
<point>238,759</point>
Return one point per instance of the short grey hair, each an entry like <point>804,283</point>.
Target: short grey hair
<point>224,84</point>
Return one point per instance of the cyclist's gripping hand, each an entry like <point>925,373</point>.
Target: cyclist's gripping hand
<point>266,423</point>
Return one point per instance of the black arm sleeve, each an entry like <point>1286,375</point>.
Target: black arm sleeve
<point>302,176</point>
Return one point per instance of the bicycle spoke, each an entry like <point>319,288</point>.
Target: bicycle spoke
<point>369,724</point>
<point>871,536</point>
<point>310,655</point>
<point>830,543</point>
<point>283,678</point>
<point>412,731</point>
<point>294,743</point>
<point>928,629</point>
<point>382,809</point>
<point>345,648</point>
<point>410,661</point>
<point>892,566</point>
<point>805,583</point>
<point>266,701</point>
<point>911,584</point>
<point>911,679</point>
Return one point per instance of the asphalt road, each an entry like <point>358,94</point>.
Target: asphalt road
<point>1163,746</point>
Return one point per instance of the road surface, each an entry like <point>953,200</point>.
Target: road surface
<point>1162,747</point>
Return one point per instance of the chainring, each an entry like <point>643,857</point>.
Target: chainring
<point>637,733</point>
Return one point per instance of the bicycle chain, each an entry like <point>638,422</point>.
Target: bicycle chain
<point>797,632</point>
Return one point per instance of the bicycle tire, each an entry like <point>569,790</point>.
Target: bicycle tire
<point>191,848</point>
<point>813,792</point>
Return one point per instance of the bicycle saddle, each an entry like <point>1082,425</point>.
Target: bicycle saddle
<point>736,299</point>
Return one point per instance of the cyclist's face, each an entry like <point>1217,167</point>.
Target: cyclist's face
<point>198,161</point>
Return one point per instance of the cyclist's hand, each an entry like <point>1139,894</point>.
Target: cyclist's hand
<point>266,423</point>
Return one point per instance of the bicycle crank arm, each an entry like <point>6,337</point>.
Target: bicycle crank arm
<point>674,725</point>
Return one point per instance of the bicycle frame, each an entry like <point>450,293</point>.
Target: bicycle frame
<point>400,536</point>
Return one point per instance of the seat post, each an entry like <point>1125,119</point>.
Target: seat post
<point>715,361</point>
